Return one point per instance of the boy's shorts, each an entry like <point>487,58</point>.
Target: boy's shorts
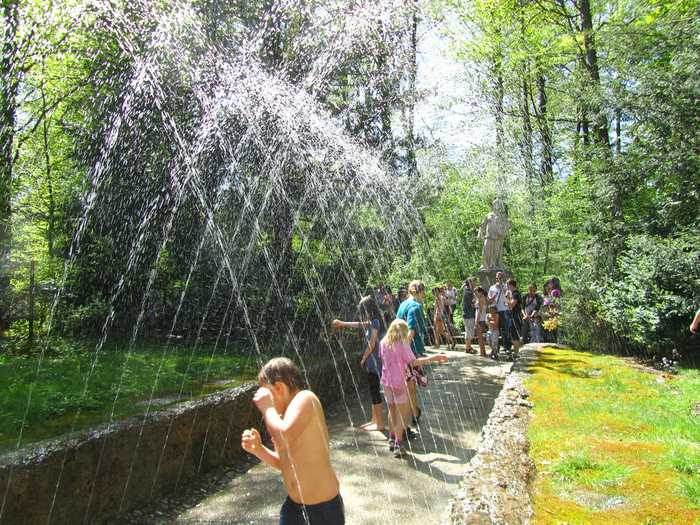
<point>492,339</point>
<point>469,328</point>
<point>396,396</point>
<point>330,512</point>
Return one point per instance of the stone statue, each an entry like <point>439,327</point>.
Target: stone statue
<point>492,231</point>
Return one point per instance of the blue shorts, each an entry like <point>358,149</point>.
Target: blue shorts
<point>330,512</point>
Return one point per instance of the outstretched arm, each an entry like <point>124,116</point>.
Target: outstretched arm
<point>337,323</point>
<point>441,358</point>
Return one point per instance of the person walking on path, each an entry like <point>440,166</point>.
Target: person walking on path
<point>294,419</point>
<point>481,307</point>
<point>532,302</point>
<point>372,321</point>
<point>397,355</point>
<point>514,304</point>
<point>468,312</point>
<point>451,294</point>
<point>440,320</point>
<point>493,323</point>
<point>411,311</point>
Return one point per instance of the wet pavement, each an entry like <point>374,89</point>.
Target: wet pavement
<point>376,487</point>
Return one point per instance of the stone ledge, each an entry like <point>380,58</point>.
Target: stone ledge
<point>494,490</point>
<point>98,475</point>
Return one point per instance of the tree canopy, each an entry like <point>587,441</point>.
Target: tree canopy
<point>246,170</point>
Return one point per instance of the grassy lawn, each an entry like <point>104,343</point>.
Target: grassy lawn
<point>47,396</point>
<point>612,443</point>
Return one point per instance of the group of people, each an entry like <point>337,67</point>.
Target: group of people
<point>393,357</point>
<point>440,315</point>
<point>503,312</point>
<point>393,349</point>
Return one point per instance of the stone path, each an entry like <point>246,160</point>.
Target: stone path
<point>376,487</point>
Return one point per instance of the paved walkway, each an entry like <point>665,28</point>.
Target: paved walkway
<point>376,487</point>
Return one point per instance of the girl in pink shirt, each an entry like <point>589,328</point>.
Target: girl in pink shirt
<point>396,354</point>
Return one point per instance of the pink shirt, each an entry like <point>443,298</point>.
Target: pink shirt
<point>394,361</point>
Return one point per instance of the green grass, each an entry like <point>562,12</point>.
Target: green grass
<point>582,468</point>
<point>612,443</point>
<point>78,387</point>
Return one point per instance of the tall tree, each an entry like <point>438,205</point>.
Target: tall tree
<point>10,70</point>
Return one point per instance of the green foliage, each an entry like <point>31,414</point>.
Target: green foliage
<point>619,433</point>
<point>76,387</point>
<point>76,320</point>
<point>689,486</point>
<point>649,299</point>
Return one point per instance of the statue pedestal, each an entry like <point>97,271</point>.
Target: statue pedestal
<point>487,278</point>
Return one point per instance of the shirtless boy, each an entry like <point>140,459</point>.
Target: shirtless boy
<point>294,418</point>
<point>492,321</point>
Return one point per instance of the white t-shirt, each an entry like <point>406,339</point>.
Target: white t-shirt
<point>450,295</point>
<point>500,294</point>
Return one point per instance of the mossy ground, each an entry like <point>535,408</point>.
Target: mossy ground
<point>613,444</point>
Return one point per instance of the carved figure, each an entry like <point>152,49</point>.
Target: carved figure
<point>493,230</point>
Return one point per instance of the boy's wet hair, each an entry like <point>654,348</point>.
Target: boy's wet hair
<point>284,370</point>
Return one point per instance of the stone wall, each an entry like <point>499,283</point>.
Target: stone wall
<point>495,488</point>
<point>99,475</point>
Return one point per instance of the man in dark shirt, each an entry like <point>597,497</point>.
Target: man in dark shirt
<point>514,303</point>
<point>532,302</point>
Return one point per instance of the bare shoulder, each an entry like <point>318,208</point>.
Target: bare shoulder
<point>305,401</point>
<point>306,396</point>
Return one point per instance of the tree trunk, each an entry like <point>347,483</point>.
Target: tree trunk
<point>8,109</point>
<point>527,133</point>
<point>601,121</point>
<point>499,112</point>
<point>386,139</point>
<point>51,215</point>
<point>546,163</point>
<point>412,166</point>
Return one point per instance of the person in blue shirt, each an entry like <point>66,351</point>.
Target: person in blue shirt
<point>372,321</point>
<point>411,311</point>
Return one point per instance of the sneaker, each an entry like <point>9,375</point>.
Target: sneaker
<point>399,450</point>
<point>392,442</point>
<point>410,434</point>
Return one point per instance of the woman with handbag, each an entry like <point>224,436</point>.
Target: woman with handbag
<point>411,311</point>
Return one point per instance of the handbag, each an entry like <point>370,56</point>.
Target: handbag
<point>420,375</point>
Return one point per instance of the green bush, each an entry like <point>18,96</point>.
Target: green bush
<point>85,319</point>
<point>645,306</point>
